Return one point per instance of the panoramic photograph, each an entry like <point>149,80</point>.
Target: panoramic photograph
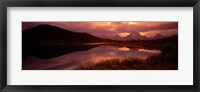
<point>96,45</point>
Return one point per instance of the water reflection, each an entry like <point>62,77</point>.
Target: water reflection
<point>150,51</point>
<point>123,48</point>
<point>93,55</point>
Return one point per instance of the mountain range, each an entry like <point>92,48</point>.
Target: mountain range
<point>42,33</point>
<point>46,41</point>
<point>137,36</point>
<point>53,33</point>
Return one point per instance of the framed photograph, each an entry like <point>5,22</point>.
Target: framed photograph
<point>121,45</point>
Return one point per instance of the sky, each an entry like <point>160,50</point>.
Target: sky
<point>111,29</point>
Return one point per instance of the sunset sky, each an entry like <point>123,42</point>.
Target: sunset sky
<point>111,29</point>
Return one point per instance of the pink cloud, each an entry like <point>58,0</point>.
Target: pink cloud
<point>107,29</point>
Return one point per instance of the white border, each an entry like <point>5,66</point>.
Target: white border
<point>183,76</point>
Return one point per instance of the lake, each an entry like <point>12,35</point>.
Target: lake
<point>76,58</point>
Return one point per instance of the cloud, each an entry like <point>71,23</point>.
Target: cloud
<point>124,34</point>
<point>152,33</point>
<point>108,29</point>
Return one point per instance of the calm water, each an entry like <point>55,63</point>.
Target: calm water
<point>75,59</point>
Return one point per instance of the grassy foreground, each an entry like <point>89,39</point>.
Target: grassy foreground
<point>167,60</point>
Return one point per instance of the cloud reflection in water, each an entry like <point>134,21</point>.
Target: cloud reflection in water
<point>94,55</point>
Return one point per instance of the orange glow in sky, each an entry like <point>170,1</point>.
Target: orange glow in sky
<point>124,34</point>
<point>111,29</point>
<point>135,23</point>
<point>152,33</point>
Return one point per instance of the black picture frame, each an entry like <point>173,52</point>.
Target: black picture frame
<point>98,3</point>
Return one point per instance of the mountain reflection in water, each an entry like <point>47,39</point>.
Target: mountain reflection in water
<point>77,58</point>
